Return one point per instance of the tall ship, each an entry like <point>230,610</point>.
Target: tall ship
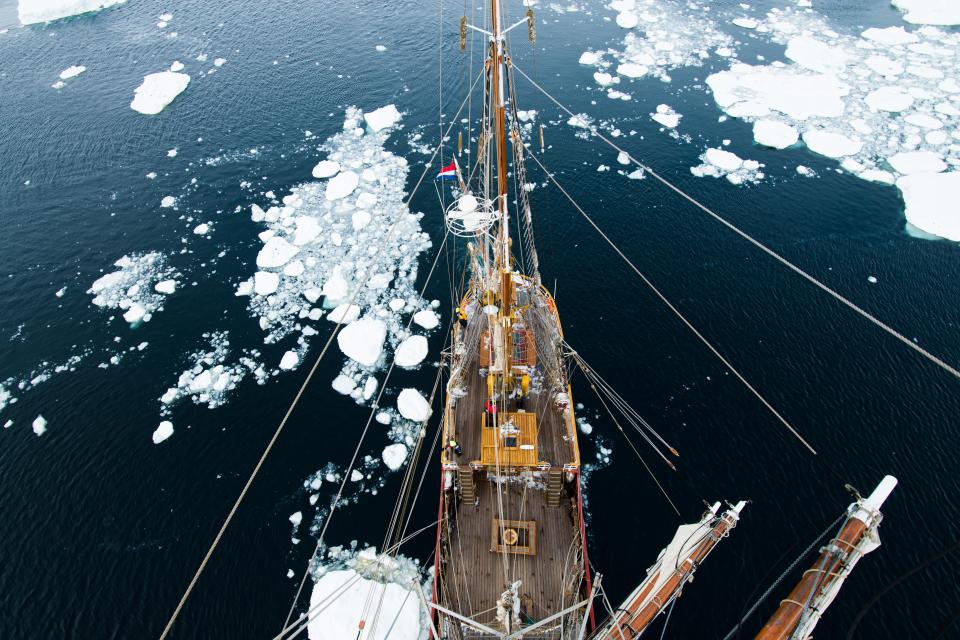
<point>510,555</point>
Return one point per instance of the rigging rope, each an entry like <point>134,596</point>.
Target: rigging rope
<point>736,630</point>
<point>300,392</point>
<point>776,256</point>
<point>674,309</point>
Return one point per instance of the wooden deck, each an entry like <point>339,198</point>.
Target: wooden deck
<point>473,576</point>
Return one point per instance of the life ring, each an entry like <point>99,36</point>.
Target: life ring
<point>510,537</point>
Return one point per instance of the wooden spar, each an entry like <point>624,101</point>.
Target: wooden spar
<point>664,583</point>
<point>799,613</point>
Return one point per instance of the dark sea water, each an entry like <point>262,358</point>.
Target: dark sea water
<point>101,529</point>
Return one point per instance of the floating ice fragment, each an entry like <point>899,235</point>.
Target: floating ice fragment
<point>176,66</point>
<point>889,36</point>
<point>342,185</point>
<point>931,202</point>
<point>831,143</point>
<point>72,72</point>
<point>590,57</point>
<point>168,201</point>
<point>872,279</point>
<point>289,361</point>
<point>39,425</point>
<point>296,518</point>
<point>344,313</point>
<point>343,384</point>
<point>165,287</point>
<point>326,169</point>
<point>394,456</point>
<point>362,340</point>
<point>411,352</point>
<point>157,91</point>
<point>201,229</point>
<point>746,23</point>
<point>276,253</point>
<point>426,319</point>
<point>623,157</point>
<point>775,134</point>
<point>380,48</point>
<point>939,12</point>
<point>912,162</point>
<point>413,406</point>
<point>382,118</point>
<point>265,282</point>
<point>889,99</point>
<point>163,431</point>
<point>666,116</point>
<point>627,20</point>
<point>219,62</point>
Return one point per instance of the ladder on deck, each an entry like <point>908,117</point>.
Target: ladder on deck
<point>468,492</point>
<point>554,487</point>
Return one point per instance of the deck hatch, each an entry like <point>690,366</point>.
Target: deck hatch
<point>514,536</point>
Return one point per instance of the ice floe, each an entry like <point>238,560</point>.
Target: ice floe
<point>721,163</point>
<point>326,169</point>
<point>775,134</point>
<point>362,340</point>
<point>157,91</point>
<point>413,406</point>
<point>382,118</point>
<point>39,425</point>
<point>37,11</point>
<point>427,319</point>
<point>666,116</point>
<point>884,102</point>
<point>131,288</point>
<point>164,430</point>
<point>342,594</point>
<point>411,352</point>
<point>72,72</point>
<point>394,456</point>
<point>937,12</point>
<point>931,201</point>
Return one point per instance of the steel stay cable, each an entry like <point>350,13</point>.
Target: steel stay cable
<point>676,311</point>
<point>773,254</point>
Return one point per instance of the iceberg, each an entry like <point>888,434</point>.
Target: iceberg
<point>163,431</point>
<point>157,91</point>
<point>394,456</point>
<point>39,425</point>
<point>72,72</point>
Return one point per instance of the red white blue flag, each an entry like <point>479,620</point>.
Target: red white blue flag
<point>448,172</point>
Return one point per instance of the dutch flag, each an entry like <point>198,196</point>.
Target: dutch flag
<point>448,172</point>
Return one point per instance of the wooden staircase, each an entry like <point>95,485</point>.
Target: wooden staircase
<point>554,487</point>
<point>468,492</point>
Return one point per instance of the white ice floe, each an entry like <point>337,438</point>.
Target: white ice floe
<point>745,23</point>
<point>666,116</point>
<point>832,144</point>
<point>427,319</point>
<point>39,425</point>
<point>721,163</point>
<point>411,352</point>
<point>157,91</point>
<point>911,162</point>
<point>342,185</point>
<point>296,518</point>
<point>931,202</point>
<point>938,12</point>
<point>219,62</point>
<point>210,377</point>
<point>413,406</point>
<point>176,66</point>
<point>131,288</point>
<point>72,72</point>
<point>276,253</point>
<point>168,201</point>
<point>37,11</point>
<point>362,340</point>
<point>265,282</point>
<point>394,456</point>
<point>884,102</point>
<point>380,48</point>
<point>202,229</point>
<point>326,169</point>
<point>388,581</point>
<point>590,58</point>
<point>289,361</point>
<point>382,118</point>
<point>344,313</point>
<point>164,430</point>
<point>775,134</point>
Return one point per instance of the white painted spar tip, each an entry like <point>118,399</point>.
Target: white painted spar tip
<point>737,508</point>
<point>875,500</point>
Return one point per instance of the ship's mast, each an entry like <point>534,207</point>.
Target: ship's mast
<point>498,73</point>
